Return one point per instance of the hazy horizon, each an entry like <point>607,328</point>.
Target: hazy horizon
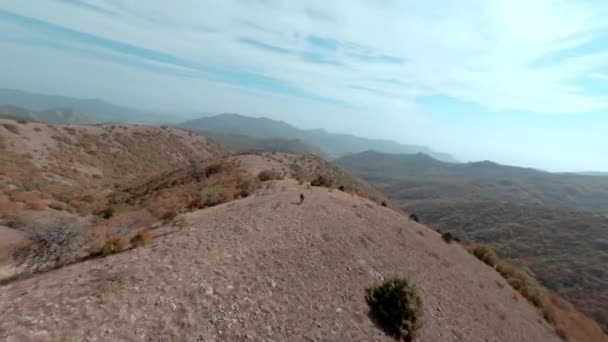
<point>515,82</point>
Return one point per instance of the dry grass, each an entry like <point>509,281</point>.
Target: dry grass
<point>113,245</point>
<point>213,195</point>
<point>110,236</point>
<point>9,209</point>
<point>179,221</point>
<point>55,244</point>
<point>248,187</point>
<point>486,254</point>
<point>142,238</point>
<point>570,324</point>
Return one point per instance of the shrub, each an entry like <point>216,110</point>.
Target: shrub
<point>179,221</point>
<point>447,237</point>
<point>321,180</point>
<point>118,197</point>
<point>268,175</point>
<point>53,245</point>
<point>341,188</point>
<point>213,195</point>
<point>384,204</point>
<point>248,187</point>
<point>414,217</point>
<point>396,307</point>
<point>213,169</point>
<point>142,238</point>
<point>111,246</point>
<point>486,254</point>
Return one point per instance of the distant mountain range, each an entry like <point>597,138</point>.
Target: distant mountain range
<point>244,143</point>
<point>56,115</point>
<point>334,145</point>
<point>26,105</point>
<point>237,132</point>
<point>418,177</point>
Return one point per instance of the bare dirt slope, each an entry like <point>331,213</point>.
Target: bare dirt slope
<point>267,269</point>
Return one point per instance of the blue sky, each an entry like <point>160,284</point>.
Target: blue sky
<point>518,82</point>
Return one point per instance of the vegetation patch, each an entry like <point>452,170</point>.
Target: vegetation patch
<point>113,245</point>
<point>248,187</point>
<point>523,281</point>
<point>52,245</point>
<point>268,175</point>
<point>142,238</point>
<point>11,128</point>
<point>214,169</point>
<point>322,180</point>
<point>486,254</point>
<point>396,307</point>
<point>213,195</point>
<point>447,237</point>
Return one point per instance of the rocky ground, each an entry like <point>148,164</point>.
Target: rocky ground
<point>265,268</point>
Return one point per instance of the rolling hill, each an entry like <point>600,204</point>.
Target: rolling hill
<point>334,145</point>
<point>554,223</point>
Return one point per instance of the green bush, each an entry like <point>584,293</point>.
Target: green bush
<point>486,254</point>
<point>396,307</point>
<point>213,195</point>
<point>248,187</point>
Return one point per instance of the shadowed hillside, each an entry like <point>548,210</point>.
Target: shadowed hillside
<point>242,143</point>
<point>418,177</point>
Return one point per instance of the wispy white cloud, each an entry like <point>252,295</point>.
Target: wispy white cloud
<point>504,54</point>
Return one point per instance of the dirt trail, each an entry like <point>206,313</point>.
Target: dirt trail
<point>267,269</point>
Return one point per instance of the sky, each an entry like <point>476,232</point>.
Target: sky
<point>518,82</point>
